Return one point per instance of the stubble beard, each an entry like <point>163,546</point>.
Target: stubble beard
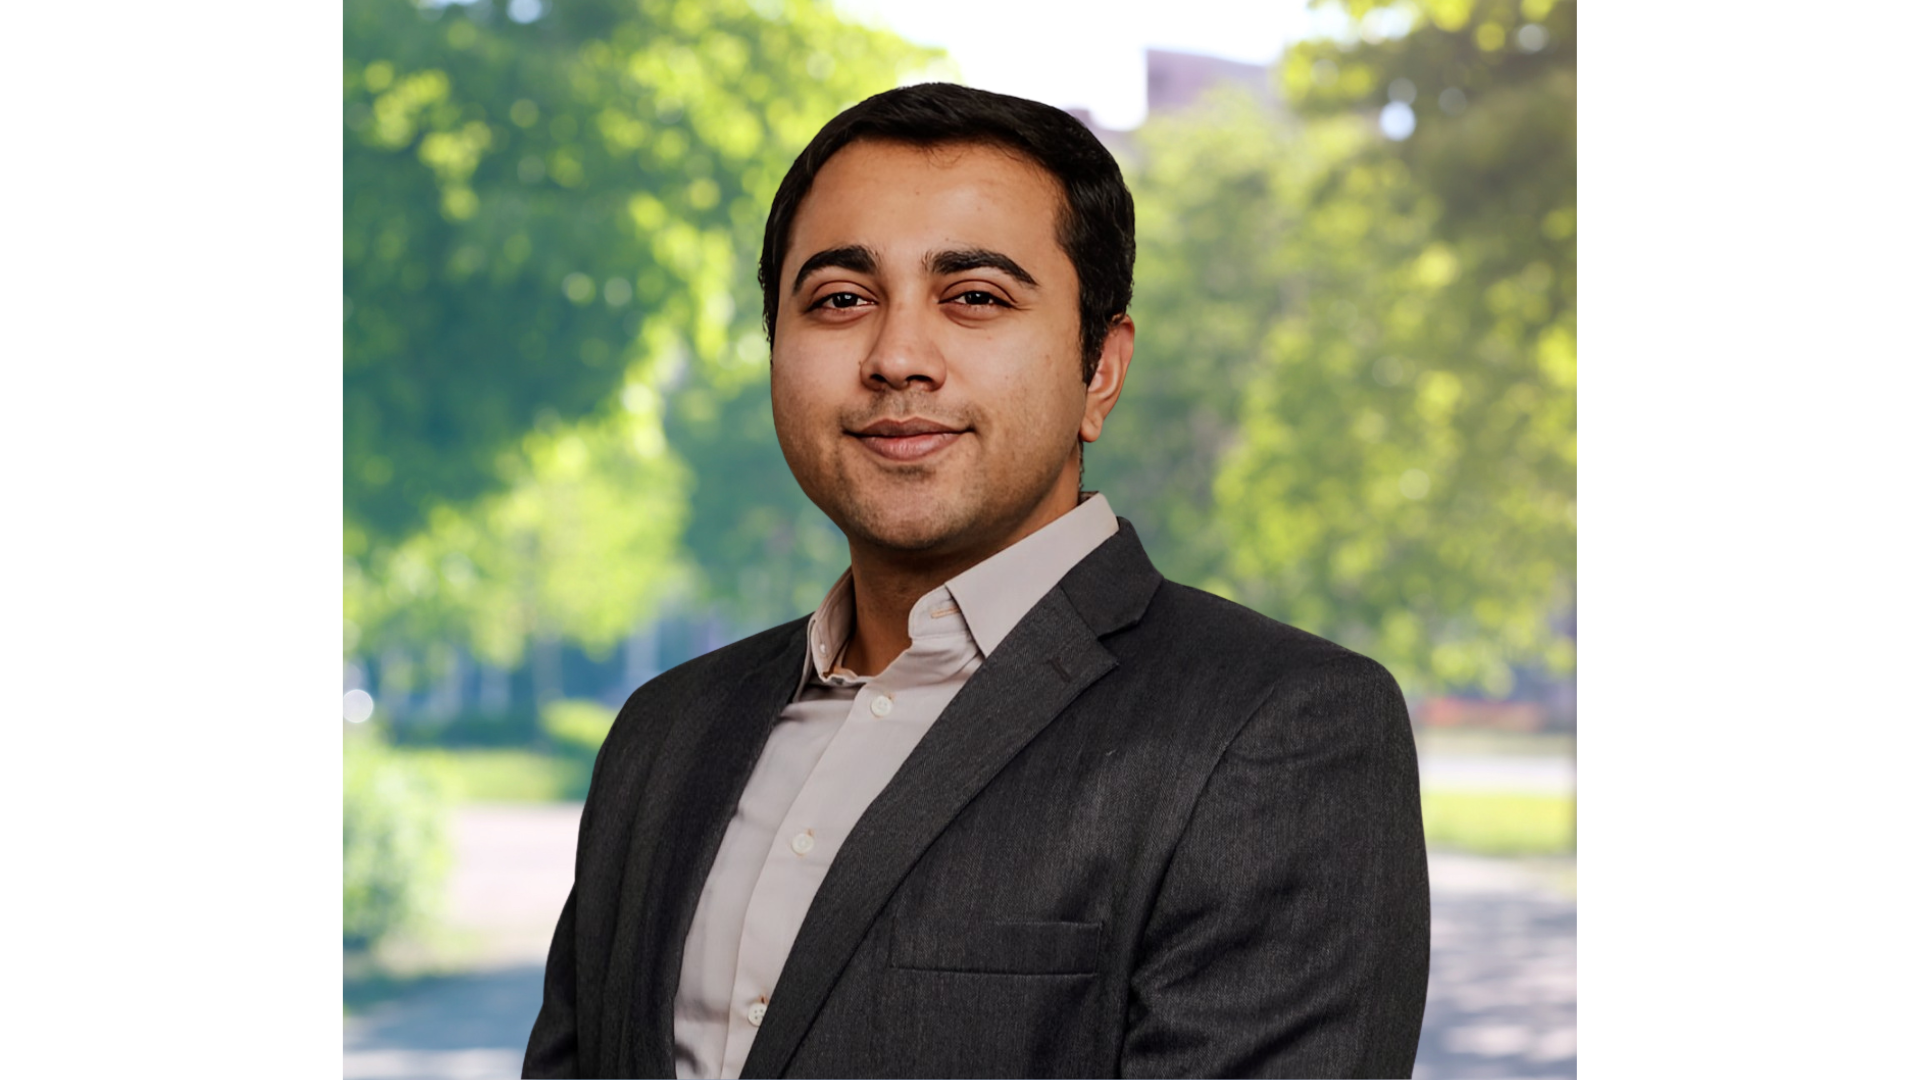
<point>936,519</point>
<point>906,513</point>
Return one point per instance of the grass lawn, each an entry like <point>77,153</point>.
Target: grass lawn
<point>1499,823</point>
<point>502,775</point>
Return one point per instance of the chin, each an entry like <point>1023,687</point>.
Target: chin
<point>903,528</point>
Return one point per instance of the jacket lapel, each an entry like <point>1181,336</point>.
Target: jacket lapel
<point>1049,658</point>
<point>700,770</point>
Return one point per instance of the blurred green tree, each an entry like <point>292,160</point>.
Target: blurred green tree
<point>585,537</point>
<point>396,850</point>
<point>545,223</point>
<point>1354,408</point>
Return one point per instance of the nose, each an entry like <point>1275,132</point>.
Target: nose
<point>905,353</point>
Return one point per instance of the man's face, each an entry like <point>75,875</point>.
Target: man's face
<point>926,356</point>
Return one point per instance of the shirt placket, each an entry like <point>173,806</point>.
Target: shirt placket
<point>883,724</point>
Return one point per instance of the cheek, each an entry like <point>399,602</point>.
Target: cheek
<point>795,389</point>
<point>792,411</point>
<point>1050,387</point>
<point>1032,370</point>
<point>1035,419</point>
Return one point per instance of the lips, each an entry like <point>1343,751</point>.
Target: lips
<point>911,439</point>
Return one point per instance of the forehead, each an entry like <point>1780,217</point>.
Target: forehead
<point>912,199</point>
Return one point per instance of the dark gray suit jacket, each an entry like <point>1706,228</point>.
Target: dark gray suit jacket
<point>1156,834</point>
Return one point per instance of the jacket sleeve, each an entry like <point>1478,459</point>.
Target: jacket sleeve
<point>553,1050</point>
<point>1290,933</point>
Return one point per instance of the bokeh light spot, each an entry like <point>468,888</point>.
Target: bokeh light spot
<point>1531,38</point>
<point>1415,484</point>
<point>1397,120</point>
<point>1402,90</point>
<point>356,706</point>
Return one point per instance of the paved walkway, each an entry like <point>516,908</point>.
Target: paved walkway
<point>513,865</point>
<point>1500,996</point>
<point>1500,1004</point>
<point>1497,772</point>
<point>469,1027</point>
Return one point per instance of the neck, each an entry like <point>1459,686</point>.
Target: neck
<point>887,582</point>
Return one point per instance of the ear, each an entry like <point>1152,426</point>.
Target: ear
<point>1103,392</point>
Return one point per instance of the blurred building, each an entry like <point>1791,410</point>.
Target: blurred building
<point>1176,80</point>
<point>1180,80</point>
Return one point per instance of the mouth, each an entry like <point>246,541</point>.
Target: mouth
<point>907,440</point>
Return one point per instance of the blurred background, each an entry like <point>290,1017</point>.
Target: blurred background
<point>1352,409</point>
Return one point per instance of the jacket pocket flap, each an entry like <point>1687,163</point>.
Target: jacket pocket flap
<point>1002,948</point>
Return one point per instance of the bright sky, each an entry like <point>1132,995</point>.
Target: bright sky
<point>1069,53</point>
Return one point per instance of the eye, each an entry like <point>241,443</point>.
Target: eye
<point>839,301</point>
<point>979,298</point>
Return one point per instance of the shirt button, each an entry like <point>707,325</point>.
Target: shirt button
<point>756,1012</point>
<point>881,704</point>
<point>802,843</point>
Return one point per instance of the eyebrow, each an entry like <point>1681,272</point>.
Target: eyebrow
<point>861,260</point>
<point>955,262</point>
<point>856,257</point>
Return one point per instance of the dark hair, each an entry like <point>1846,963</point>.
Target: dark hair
<point>1095,227</point>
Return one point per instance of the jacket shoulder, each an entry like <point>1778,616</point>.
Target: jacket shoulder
<point>706,674</point>
<point>1240,664</point>
<point>1190,622</point>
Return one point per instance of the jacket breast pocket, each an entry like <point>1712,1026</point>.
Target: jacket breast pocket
<point>995,999</point>
<point>996,948</point>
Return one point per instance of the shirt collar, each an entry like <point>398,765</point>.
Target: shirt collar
<point>997,593</point>
<point>827,632</point>
<point>991,597</point>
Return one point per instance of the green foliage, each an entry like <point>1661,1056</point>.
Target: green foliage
<point>1353,406</point>
<point>576,727</point>
<point>550,237</point>
<point>397,850</point>
<point>531,208</point>
<point>512,727</point>
<point>495,774</point>
<point>583,541</point>
<point>1499,823</point>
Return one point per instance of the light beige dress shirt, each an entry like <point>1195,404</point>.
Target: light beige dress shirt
<point>831,751</point>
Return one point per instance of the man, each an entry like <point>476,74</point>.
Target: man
<point>1008,803</point>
